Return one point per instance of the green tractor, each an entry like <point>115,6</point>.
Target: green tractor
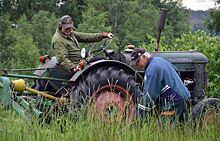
<point>109,86</point>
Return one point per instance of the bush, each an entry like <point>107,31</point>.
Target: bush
<point>25,53</point>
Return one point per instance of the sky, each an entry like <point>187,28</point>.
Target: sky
<point>199,4</point>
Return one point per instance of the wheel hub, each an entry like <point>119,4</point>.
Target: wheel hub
<point>113,103</point>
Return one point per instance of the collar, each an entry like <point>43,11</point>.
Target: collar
<point>149,61</point>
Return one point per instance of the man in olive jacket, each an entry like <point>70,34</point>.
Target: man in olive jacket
<point>65,43</point>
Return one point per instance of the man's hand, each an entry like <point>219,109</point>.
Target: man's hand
<point>79,67</point>
<point>107,35</point>
<point>76,68</point>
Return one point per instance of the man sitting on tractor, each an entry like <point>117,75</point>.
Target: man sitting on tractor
<point>65,43</point>
<point>162,87</point>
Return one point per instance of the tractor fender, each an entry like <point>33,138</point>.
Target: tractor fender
<point>44,67</point>
<point>113,63</point>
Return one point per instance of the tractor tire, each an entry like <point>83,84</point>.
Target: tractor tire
<point>109,93</point>
<point>205,112</point>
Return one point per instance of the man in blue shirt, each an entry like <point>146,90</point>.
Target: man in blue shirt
<point>163,88</point>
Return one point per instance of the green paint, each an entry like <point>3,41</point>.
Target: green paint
<point>5,92</point>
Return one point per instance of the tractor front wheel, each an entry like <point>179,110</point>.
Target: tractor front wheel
<point>206,112</point>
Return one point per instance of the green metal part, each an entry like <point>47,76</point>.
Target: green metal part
<point>22,103</point>
<point>35,77</point>
<point>5,92</point>
<point>26,69</point>
<point>29,108</point>
<point>21,111</point>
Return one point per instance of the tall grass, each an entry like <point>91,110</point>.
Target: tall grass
<point>13,128</point>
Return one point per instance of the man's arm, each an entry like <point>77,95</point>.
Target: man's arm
<point>88,37</point>
<point>152,87</point>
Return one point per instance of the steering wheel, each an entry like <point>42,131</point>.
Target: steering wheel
<point>95,50</point>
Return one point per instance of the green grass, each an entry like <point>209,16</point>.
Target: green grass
<point>13,128</point>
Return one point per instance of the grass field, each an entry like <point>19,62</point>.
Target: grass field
<point>13,128</point>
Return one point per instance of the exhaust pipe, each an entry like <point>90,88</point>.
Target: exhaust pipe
<point>160,26</point>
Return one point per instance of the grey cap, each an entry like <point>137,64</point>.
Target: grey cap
<point>136,54</point>
<point>66,21</point>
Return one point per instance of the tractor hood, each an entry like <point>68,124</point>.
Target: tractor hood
<point>174,56</point>
<point>182,56</point>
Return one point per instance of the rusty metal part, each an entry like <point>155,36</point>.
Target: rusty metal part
<point>112,103</point>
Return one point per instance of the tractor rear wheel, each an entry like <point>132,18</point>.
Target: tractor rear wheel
<point>109,93</point>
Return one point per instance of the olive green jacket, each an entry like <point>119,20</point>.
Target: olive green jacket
<point>67,48</point>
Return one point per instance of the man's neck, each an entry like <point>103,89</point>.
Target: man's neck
<point>149,59</point>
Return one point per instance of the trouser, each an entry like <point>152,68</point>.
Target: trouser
<point>172,106</point>
<point>59,72</point>
<point>169,107</point>
<point>169,112</point>
<point>172,112</point>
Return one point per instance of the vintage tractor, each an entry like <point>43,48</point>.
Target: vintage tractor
<point>108,87</point>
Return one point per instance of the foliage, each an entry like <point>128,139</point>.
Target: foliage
<point>177,20</point>
<point>25,53</point>
<point>213,21</point>
<point>96,19</point>
<point>18,44</point>
<point>98,23</point>
<point>137,24</point>
<point>74,8</point>
<point>210,47</point>
<point>6,41</point>
<point>41,22</point>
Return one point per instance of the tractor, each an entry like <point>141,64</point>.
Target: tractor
<point>109,86</point>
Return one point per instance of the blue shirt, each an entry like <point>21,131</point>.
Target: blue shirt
<point>158,73</point>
